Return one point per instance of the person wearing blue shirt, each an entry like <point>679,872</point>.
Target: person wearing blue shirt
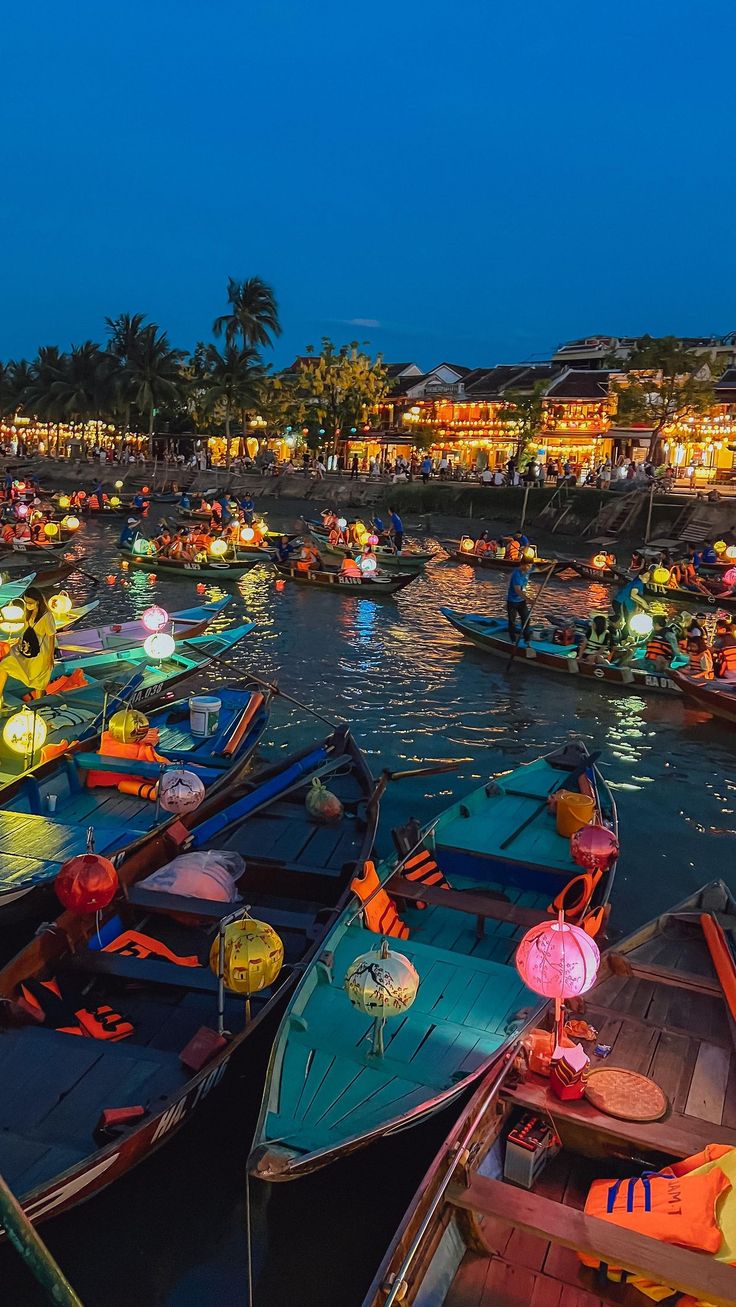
<point>378,526</point>
<point>185,501</point>
<point>138,501</point>
<point>247,507</point>
<point>426,468</point>
<point>522,539</point>
<point>396,529</point>
<point>284,550</point>
<point>128,533</point>
<point>517,608</point>
<point>628,598</point>
<point>709,554</point>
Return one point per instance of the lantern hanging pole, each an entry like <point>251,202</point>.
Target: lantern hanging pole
<point>523,509</point>
<point>33,1250</point>
<point>221,979</point>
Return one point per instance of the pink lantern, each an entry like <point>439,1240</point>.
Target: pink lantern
<point>559,961</point>
<point>155,618</point>
<point>21,510</point>
<point>373,540</point>
<point>594,847</point>
<point>730,576</point>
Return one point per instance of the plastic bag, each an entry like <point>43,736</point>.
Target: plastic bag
<point>322,804</point>
<point>208,875</point>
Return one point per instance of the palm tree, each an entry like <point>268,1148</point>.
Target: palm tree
<point>233,381</point>
<point>78,390</point>
<point>254,314</point>
<point>153,374</point>
<point>126,334</point>
<point>40,399</point>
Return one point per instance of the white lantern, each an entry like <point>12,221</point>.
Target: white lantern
<point>382,984</point>
<point>161,645</point>
<point>180,791</point>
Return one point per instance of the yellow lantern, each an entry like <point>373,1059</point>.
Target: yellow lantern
<point>60,604</point>
<point>13,616</point>
<point>115,501</point>
<point>599,560</point>
<point>142,546</point>
<point>253,956</point>
<point>25,732</point>
<point>218,548</point>
<point>246,534</point>
<point>50,530</point>
<point>70,523</point>
<point>720,546</point>
<point>128,725</point>
<point>118,485</point>
<point>661,575</point>
<point>529,552</point>
<point>64,501</point>
<point>466,545</point>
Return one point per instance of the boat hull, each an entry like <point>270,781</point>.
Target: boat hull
<point>212,570</point>
<point>406,561</point>
<point>497,564</point>
<point>365,587</point>
<point>718,702</point>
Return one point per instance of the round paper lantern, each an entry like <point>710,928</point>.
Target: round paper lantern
<point>594,847</point>
<point>247,534</point>
<point>64,501</point>
<point>381,983</point>
<point>155,618</point>
<point>118,485</point>
<point>529,552</point>
<point>720,546</point>
<point>218,548</point>
<point>341,523</point>
<point>50,530</point>
<point>21,485</point>
<point>114,501</point>
<point>152,578</point>
<point>160,645</point>
<point>180,791</point>
<point>641,624</point>
<point>253,956</point>
<point>661,575</point>
<point>86,883</point>
<point>373,540</point>
<point>142,546</point>
<point>558,960</point>
<point>128,725</point>
<point>599,560</point>
<point>60,604</point>
<point>21,510</point>
<point>729,576</point>
<point>731,551</point>
<point>466,545</point>
<point>13,616</point>
<point>70,522</point>
<point>368,564</point>
<point>146,490</point>
<point>25,731</point>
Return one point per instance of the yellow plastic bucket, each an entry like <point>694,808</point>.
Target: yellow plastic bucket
<point>573,811</point>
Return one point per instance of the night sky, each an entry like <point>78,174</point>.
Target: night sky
<point>472,182</point>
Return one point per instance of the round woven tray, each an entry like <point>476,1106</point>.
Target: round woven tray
<point>625,1094</point>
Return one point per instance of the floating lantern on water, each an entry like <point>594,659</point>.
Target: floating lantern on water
<point>64,501</point>
<point>125,565</point>
<point>145,490</point>
<point>141,546</point>
<point>218,548</point>
<point>660,575</point>
<point>111,578</point>
<point>641,624</point>
<point>50,530</point>
<point>280,584</point>
<point>180,791</point>
<point>382,984</point>
<point>13,616</point>
<point>559,961</point>
<point>720,546</point>
<point>155,618</point>
<point>201,587</point>
<point>161,645</point>
<point>466,545</point>
<point>70,523</point>
<point>60,604</point>
<point>25,732</point>
<point>152,578</point>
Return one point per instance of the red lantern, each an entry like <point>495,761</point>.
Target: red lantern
<point>595,848</point>
<point>280,585</point>
<point>111,579</point>
<point>86,883</point>
<point>152,578</point>
<point>201,587</point>
<point>146,490</point>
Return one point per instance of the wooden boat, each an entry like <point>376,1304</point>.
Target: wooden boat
<point>182,625</point>
<point>589,572</point>
<point>503,564</point>
<point>56,1148</point>
<point>48,550</point>
<point>65,621</point>
<point>47,574</point>
<point>678,595</point>
<point>328,1090</point>
<point>471,1236</point>
<point>213,568</point>
<point>716,697</point>
<point>35,841</point>
<point>127,674</point>
<point>14,589</point>
<point>408,560</point>
<point>540,652</point>
<point>331,578</point>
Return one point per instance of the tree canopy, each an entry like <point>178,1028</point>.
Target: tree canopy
<point>664,384</point>
<point>339,386</point>
<point>525,409</point>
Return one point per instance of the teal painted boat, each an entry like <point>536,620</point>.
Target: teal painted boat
<point>329,1091</point>
<point>15,589</point>
<point>182,625</point>
<point>408,560</point>
<point>160,996</point>
<point>35,841</point>
<point>213,569</point>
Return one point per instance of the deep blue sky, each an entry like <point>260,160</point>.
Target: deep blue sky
<point>475,182</point>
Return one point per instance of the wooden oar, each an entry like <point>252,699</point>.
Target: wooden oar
<point>33,1250</point>
<point>525,627</point>
<point>567,779</point>
<point>276,690</point>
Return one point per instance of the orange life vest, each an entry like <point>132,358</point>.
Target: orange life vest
<point>658,647</point>
<point>379,911</point>
<point>349,567</point>
<point>46,1000</point>
<point>141,751</point>
<point>93,502</point>
<point>695,669</point>
<point>422,867</point>
<point>676,1209</point>
<point>727,659</point>
<point>513,550</point>
<point>576,895</point>
<point>134,944</point>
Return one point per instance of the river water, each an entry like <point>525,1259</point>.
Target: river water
<point>174,1231</point>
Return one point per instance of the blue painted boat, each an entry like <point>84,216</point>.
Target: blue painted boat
<point>58,1145</point>
<point>328,1091</point>
<point>15,589</point>
<point>34,841</point>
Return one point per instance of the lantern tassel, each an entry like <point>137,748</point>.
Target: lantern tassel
<point>378,1025</point>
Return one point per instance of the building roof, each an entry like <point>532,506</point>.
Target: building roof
<point>725,386</point>
<point>459,368</point>
<point>398,369</point>
<point>579,383</point>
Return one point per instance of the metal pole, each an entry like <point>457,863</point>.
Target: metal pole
<point>649,513</point>
<point>221,980</point>
<point>33,1250</point>
<point>523,510</point>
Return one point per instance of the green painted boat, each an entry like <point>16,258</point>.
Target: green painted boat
<point>188,571</point>
<point>15,589</point>
<point>329,1091</point>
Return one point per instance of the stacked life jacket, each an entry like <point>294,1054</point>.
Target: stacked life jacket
<point>70,1014</point>
<point>379,910</point>
<point>139,750</point>
<point>422,868</point>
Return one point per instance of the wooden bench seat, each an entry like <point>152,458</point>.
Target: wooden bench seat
<point>478,905</point>
<point>690,1272</point>
<point>161,901</point>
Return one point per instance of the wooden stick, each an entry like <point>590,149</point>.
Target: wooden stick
<point>33,1250</point>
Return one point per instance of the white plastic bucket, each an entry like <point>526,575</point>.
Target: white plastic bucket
<point>204,714</point>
